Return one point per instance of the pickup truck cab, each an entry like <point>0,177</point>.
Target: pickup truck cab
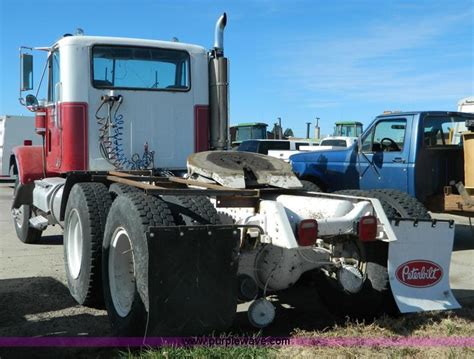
<point>415,152</point>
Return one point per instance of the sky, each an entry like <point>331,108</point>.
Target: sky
<point>298,60</point>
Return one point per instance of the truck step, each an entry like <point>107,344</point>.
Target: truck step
<point>39,222</point>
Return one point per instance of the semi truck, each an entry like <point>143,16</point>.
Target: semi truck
<point>168,229</point>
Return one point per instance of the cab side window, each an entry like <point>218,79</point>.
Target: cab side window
<point>54,80</point>
<point>386,136</point>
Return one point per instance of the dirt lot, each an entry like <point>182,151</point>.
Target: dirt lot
<point>34,299</point>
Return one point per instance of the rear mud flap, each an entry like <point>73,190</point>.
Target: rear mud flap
<point>418,265</point>
<point>192,279</point>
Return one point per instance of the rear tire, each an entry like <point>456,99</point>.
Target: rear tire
<point>405,205</point>
<point>192,210</point>
<point>390,212</point>
<point>21,220</point>
<point>375,297</point>
<point>125,259</point>
<point>120,189</point>
<point>86,212</point>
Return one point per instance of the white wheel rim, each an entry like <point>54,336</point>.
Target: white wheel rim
<point>121,272</point>
<point>19,216</point>
<point>74,243</point>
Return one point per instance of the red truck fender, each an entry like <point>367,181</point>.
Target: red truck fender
<point>29,163</point>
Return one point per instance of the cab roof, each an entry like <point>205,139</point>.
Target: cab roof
<point>87,41</point>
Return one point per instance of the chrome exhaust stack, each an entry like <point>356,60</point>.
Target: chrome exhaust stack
<point>218,90</point>
<point>219,35</point>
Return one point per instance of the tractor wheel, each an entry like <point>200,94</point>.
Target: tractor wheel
<point>120,189</point>
<point>390,212</point>
<point>125,259</point>
<point>310,186</point>
<point>405,205</point>
<point>375,296</point>
<point>21,220</point>
<point>84,222</point>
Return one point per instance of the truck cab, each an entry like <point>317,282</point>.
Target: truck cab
<point>116,102</point>
<point>414,152</point>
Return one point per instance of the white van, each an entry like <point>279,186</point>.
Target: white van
<point>14,131</point>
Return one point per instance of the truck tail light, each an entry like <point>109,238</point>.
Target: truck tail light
<point>307,232</point>
<point>27,143</point>
<point>368,228</point>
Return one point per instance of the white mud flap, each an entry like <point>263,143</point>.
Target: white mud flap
<point>418,265</point>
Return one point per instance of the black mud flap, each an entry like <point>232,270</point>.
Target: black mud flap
<point>192,279</point>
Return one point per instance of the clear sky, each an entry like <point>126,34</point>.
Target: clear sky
<point>298,60</point>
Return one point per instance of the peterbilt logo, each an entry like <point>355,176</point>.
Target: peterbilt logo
<point>419,273</point>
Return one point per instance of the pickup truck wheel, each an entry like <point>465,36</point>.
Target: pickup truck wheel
<point>86,212</point>
<point>405,205</point>
<point>21,220</point>
<point>374,298</point>
<point>310,186</point>
<point>125,259</point>
<point>387,207</point>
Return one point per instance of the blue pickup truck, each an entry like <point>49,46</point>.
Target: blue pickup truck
<point>414,153</point>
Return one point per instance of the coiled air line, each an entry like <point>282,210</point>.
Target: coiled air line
<point>111,141</point>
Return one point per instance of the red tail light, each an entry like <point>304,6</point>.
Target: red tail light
<point>27,143</point>
<point>307,232</point>
<point>368,228</point>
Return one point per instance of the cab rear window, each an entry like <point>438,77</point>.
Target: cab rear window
<point>140,68</point>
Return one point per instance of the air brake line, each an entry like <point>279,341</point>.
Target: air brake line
<point>111,138</point>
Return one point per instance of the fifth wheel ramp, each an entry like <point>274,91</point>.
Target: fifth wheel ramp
<point>237,169</point>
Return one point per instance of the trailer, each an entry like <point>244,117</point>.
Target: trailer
<point>168,230</point>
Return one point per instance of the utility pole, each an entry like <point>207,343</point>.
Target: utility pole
<point>317,129</point>
<point>280,131</point>
<point>308,129</point>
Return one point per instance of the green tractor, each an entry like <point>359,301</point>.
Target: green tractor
<point>247,131</point>
<point>348,128</point>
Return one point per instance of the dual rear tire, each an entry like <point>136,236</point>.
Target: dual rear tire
<point>125,251</point>
<point>105,246</point>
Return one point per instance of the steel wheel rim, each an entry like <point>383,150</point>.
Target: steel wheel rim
<point>121,272</point>
<point>19,216</point>
<point>74,244</point>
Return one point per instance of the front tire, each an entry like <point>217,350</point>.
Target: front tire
<point>21,220</point>
<point>86,212</point>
